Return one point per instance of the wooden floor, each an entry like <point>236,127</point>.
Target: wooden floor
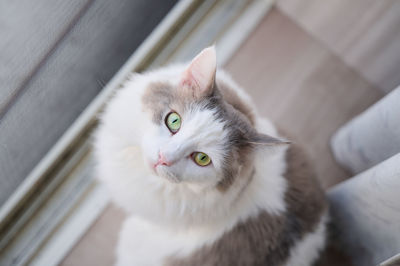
<point>294,80</point>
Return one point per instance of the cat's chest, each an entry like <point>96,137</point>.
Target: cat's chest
<point>141,243</point>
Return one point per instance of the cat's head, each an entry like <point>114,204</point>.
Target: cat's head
<point>180,130</point>
<point>197,136</point>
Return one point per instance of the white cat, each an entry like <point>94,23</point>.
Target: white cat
<point>205,180</point>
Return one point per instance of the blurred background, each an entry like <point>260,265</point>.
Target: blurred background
<point>326,72</point>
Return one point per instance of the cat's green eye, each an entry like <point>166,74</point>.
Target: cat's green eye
<point>201,158</point>
<point>173,122</point>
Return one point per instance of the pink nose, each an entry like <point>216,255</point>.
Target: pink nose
<point>162,160</point>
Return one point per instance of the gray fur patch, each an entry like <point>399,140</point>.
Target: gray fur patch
<point>158,98</point>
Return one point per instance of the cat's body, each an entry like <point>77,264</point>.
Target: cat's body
<point>255,203</point>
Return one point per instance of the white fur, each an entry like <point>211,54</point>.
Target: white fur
<point>307,250</point>
<point>171,216</point>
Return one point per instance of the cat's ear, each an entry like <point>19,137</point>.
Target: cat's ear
<point>263,139</point>
<point>199,76</point>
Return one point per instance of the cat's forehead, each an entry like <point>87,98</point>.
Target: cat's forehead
<point>160,98</point>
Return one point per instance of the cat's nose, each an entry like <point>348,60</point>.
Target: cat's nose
<point>162,160</point>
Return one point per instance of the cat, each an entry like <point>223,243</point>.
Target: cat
<point>205,180</point>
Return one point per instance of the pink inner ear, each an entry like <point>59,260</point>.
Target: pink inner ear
<point>200,74</point>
